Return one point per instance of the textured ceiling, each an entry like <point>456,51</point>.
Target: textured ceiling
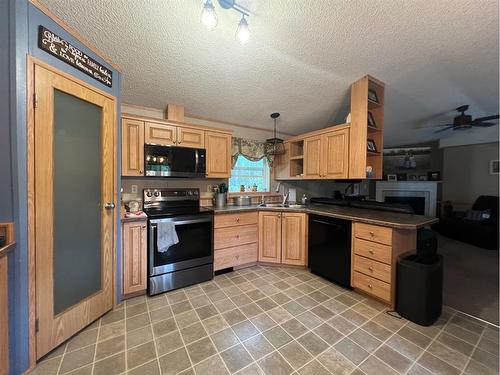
<point>301,58</point>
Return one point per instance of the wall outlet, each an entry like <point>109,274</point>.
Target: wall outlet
<point>133,189</point>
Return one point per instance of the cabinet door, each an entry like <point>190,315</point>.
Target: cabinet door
<point>294,238</point>
<point>160,134</point>
<point>281,164</point>
<point>218,147</point>
<point>312,157</point>
<point>270,237</point>
<point>189,137</point>
<point>134,257</point>
<point>335,160</point>
<point>132,147</point>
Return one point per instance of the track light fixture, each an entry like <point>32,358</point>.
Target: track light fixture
<point>209,18</point>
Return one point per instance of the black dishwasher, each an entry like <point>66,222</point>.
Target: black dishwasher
<point>330,248</point>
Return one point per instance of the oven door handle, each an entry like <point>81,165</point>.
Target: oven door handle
<point>182,222</point>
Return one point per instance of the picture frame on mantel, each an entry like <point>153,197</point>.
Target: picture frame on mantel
<point>494,166</point>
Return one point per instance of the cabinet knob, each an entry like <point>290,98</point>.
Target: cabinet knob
<point>237,236</point>
<point>140,171</point>
<point>371,233</point>
<point>237,219</point>
<point>370,268</point>
<point>370,286</point>
<point>371,252</point>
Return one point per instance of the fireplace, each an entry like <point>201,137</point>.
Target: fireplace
<point>417,203</point>
<point>421,195</point>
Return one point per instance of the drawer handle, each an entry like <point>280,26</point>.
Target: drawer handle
<point>371,233</point>
<point>370,286</point>
<point>370,268</point>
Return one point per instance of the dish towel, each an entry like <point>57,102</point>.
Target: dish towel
<point>166,236</point>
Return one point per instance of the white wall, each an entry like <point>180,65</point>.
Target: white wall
<point>466,173</point>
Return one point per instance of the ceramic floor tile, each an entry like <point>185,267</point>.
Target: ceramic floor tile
<point>271,320</point>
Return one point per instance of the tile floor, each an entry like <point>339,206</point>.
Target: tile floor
<point>272,320</point>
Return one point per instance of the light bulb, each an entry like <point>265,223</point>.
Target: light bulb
<point>242,32</point>
<point>208,16</point>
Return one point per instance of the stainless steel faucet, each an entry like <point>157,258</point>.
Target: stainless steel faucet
<point>285,197</point>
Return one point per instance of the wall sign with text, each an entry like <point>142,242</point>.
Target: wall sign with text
<point>57,46</point>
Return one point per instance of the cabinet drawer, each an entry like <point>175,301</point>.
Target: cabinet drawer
<point>372,268</point>
<point>235,256</point>
<point>373,250</point>
<point>373,233</point>
<point>372,286</point>
<point>229,220</point>
<point>229,237</point>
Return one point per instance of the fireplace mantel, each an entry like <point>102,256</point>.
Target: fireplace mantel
<point>426,189</point>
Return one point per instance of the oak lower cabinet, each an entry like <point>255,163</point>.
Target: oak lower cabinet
<point>218,146</point>
<point>283,238</point>
<point>235,239</point>
<point>135,268</point>
<point>326,156</point>
<point>375,252</point>
<point>132,147</point>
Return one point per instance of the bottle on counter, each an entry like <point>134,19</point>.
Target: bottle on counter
<point>303,200</point>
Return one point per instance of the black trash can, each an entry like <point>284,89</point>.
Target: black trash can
<point>419,295</point>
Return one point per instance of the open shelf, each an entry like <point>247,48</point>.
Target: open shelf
<point>373,153</point>
<point>373,105</point>
<point>372,129</point>
<point>298,157</point>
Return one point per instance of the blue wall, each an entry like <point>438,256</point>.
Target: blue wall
<point>22,26</point>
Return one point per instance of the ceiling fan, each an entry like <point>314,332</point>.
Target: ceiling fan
<point>463,121</point>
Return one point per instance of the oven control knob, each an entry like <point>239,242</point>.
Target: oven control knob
<point>195,192</point>
<point>190,192</point>
<point>157,193</point>
<point>148,193</point>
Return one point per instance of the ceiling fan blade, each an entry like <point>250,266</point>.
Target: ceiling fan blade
<point>433,126</point>
<point>481,119</point>
<point>442,130</point>
<point>483,124</point>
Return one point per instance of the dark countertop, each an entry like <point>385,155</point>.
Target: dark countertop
<point>361,215</point>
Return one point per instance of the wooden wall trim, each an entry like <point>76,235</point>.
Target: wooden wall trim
<point>44,9</point>
<point>203,118</point>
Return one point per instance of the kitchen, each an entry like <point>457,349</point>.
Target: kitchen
<point>203,245</point>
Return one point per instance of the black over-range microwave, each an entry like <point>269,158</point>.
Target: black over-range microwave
<point>172,161</point>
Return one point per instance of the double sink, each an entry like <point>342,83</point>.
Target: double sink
<point>281,205</point>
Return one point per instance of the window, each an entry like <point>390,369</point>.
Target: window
<point>249,173</point>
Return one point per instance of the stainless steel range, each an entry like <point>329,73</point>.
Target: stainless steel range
<point>189,261</point>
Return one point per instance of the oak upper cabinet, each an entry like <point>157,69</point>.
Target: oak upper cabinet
<point>218,146</point>
<point>270,237</point>
<point>335,161</point>
<point>326,156</point>
<point>190,137</point>
<point>312,157</point>
<point>132,147</point>
<point>160,134</point>
<point>134,257</point>
<point>294,238</point>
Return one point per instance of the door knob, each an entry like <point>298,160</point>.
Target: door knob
<point>109,206</point>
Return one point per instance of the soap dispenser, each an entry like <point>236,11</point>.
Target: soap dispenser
<point>304,200</point>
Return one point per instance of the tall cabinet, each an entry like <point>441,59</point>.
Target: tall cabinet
<point>135,256</point>
<point>367,125</point>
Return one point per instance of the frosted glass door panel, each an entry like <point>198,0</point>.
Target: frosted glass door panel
<point>77,197</point>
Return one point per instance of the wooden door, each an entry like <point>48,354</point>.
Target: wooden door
<point>312,157</point>
<point>270,237</point>
<point>73,205</point>
<point>160,134</point>
<point>335,160</point>
<point>218,146</point>
<point>189,137</point>
<point>294,238</point>
<point>4,317</point>
<point>132,147</point>
<point>135,254</point>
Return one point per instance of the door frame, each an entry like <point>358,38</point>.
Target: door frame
<point>30,176</point>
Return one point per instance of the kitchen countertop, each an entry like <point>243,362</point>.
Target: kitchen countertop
<point>361,215</point>
<point>138,218</point>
